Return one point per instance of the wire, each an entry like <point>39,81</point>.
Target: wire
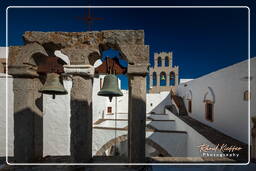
<point>115,123</point>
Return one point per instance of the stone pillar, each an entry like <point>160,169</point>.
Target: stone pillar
<point>253,150</point>
<point>28,115</point>
<point>158,78</point>
<point>81,112</point>
<point>137,113</point>
<point>1,68</point>
<point>167,79</point>
<point>151,81</point>
<point>177,77</point>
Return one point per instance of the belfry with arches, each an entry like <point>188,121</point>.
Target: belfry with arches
<point>163,76</point>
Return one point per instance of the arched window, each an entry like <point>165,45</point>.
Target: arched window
<point>159,62</point>
<point>189,98</point>
<point>154,79</point>
<point>209,100</point>
<point>190,106</point>
<point>166,61</point>
<point>162,79</point>
<point>172,79</point>
<point>209,111</point>
<point>247,95</point>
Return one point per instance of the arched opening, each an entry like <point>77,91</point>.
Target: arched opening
<point>159,62</point>
<point>209,100</point>
<point>162,79</point>
<point>172,79</point>
<point>247,95</point>
<point>166,61</point>
<point>118,147</point>
<point>119,64</point>
<point>189,99</point>
<point>154,79</point>
<point>111,63</point>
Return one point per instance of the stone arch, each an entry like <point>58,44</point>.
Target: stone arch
<point>115,47</point>
<point>82,48</point>
<point>162,79</point>
<point>172,78</point>
<point>154,77</point>
<point>209,95</point>
<point>166,61</point>
<point>122,138</point>
<point>31,53</point>
<point>159,61</point>
<point>60,55</point>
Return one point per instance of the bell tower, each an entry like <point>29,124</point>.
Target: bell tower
<point>163,75</point>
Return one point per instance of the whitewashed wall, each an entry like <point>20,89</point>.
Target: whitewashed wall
<point>156,102</point>
<point>122,103</point>
<point>253,88</point>
<point>230,113</point>
<point>56,123</point>
<point>3,52</point>
<point>193,140</point>
<point>99,102</point>
<point>3,116</point>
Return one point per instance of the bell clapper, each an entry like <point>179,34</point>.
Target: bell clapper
<point>53,96</point>
<point>110,98</point>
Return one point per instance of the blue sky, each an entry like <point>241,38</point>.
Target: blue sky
<point>202,40</point>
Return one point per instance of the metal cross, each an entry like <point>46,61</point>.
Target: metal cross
<point>88,18</point>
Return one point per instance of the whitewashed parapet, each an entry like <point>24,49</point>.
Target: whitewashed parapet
<point>84,70</point>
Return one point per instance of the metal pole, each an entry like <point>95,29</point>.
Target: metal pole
<point>115,123</point>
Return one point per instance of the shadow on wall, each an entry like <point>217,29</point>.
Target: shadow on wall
<point>159,150</point>
<point>81,130</point>
<point>28,136</point>
<point>162,105</point>
<point>180,105</point>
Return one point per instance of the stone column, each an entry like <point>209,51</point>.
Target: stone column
<point>81,112</point>
<point>177,77</point>
<point>158,78</point>
<point>1,68</point>
<point>151,81</point>
<point>28,115</point>
<point>137,113</point>
<point>167,79</point>
<point>253,151</point>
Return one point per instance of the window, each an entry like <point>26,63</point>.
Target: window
<point>162,79</point>
<point>166,61</point>
<point>209,111</point>
<point>247,95</point>
<point>159,62</point>
<point>154,79</point>
<point>172,79</point>
<point>189,106</point>
<point>109,110</point>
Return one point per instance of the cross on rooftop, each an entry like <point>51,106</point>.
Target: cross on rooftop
<point>88,18</point>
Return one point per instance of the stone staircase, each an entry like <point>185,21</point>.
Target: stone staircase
<point>179,103</point>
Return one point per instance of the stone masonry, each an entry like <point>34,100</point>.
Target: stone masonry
<point>163,70</point>
<point>82,48</point>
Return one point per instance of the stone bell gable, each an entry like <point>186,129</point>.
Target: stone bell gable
<point>82,49</point>
<point>163,75</point>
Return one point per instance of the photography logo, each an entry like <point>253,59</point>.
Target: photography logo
<point>220,150</point>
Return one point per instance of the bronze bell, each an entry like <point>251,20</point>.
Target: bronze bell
<point>110,87</point>
<point>53,85</point>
